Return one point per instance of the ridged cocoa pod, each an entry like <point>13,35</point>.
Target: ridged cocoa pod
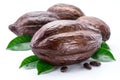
<point>30,22</point>
<point>66,11</point>
<point>65,42</point>
<point>97,23</point>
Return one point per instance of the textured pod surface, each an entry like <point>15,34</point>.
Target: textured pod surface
<point>65,42</point>
<point>30,22</point>
<point>66,11</point>
<point>97,23</point>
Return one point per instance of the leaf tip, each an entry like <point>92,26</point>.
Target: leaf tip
<point>114,59</point>
<point>38,73</point>
<point>7,48</point>
<point>20,66</point>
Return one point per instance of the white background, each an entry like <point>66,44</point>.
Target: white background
<point>10,10</point>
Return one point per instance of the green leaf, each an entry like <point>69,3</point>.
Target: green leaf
<point>103,55</point>
<point>43,67</point>
<point>105,45</point>
<point>30,62</point>
<point>20,43</point>
<point>31,65</point>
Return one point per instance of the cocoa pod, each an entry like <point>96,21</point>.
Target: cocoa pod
<point>65,42</point>
<point>97,23</point>
<point>66,11</point>
<point>30,22</point>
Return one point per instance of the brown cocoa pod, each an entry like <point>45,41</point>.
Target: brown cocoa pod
<point>66,11</point>
<point>30,22</point>
<point>97,23</point>
<point>65,42</point>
